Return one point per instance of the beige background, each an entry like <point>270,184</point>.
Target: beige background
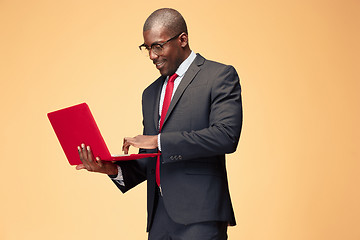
<point>295,174</point>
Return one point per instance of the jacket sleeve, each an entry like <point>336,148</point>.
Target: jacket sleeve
<point>225,121</point>
<point>133,174</point>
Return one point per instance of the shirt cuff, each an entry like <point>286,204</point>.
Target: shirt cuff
<point>119,178</point>
<point>159,145</point>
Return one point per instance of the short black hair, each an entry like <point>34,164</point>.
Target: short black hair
<point>168,18</point>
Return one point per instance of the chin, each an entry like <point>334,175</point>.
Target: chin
<point>164,73</point>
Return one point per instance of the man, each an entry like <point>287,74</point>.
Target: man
<point>192,114</point>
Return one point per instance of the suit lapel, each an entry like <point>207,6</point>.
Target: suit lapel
<point>157,93</point>
<point>187,79</point>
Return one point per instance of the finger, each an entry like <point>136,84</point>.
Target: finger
<point>126,145</point>
<point>80,166</point>
<point>80,153</point>
<point>99,162</point>
<point>127,142</point>
<point>123,144</point>
<point>90,157</point>
<point>84,157</point>
<point>84,153</point>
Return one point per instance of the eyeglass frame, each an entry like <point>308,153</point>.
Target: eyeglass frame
<point>159,44</point>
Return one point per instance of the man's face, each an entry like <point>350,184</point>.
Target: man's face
<point>172,54</point>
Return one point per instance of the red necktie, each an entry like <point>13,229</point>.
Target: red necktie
<point>165,107</point>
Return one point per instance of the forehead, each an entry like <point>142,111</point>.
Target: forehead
<point>155,35</point>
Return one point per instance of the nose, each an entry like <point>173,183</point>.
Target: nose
<point>152,55</point>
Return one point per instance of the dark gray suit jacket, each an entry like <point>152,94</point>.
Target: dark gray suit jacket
<point>202,124</point>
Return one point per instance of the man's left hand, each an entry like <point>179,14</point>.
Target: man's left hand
<point>140,141</point>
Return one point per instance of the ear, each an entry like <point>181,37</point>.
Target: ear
<point>183,40</point>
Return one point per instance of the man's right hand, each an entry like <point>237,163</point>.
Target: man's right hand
<point>94,165</point>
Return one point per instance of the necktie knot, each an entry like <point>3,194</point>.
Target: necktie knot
<point>173,77</point>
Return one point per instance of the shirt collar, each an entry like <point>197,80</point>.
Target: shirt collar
<point>184,66</point>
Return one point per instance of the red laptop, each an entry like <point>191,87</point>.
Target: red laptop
<point>76,125</point>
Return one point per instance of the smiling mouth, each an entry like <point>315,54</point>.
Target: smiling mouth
<point>159,64</point>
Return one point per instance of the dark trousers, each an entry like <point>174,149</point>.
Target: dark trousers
<point>164,228</point>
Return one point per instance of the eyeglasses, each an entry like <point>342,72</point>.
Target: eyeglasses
<point>156,48</point>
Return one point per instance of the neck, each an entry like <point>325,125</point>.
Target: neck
<point>185,55</point>
<point>187,52</point>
